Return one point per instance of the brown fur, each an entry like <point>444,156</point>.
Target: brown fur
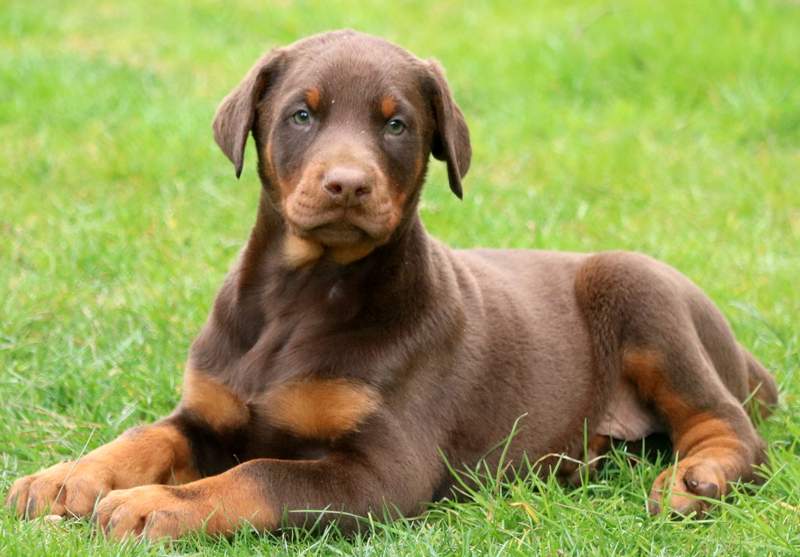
<point>348,351</point>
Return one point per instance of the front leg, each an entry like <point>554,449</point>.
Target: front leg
<point>380,473</point>
<point>180,448</point>
<point>158,453</point>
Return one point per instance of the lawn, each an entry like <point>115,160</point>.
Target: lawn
<point>671,128</point>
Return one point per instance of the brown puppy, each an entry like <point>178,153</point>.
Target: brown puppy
<point>347,347</point>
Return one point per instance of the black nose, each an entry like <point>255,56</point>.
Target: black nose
<point>347,185</point>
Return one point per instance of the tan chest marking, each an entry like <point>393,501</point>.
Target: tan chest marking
<point>212,401</point>
<point>320,408</point>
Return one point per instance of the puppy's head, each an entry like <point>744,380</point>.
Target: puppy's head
<point>344,124</point>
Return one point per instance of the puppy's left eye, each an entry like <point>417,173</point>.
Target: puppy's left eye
<point>395,127</point>
<point>301,118</point>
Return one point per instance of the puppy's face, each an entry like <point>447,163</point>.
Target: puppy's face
<point>347,134</point>
<point>344,124</point>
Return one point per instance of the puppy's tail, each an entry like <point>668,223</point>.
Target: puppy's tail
<point>761,384</point>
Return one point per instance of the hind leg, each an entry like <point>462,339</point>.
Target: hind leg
<point>714,440</point>
<point>680,355</point>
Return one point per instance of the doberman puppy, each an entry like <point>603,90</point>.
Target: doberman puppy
<point>347,347</point>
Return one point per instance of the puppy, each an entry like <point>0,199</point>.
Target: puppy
<point>348,350</point>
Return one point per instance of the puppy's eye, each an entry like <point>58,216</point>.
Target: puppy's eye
<point>302,117</point>
<point>395,127</point>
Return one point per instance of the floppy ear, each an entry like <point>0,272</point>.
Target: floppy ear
<point>451,136</point>
<point>234,118</point>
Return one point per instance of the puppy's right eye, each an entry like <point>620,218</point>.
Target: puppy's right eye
<point>395,126</point>
<point>301,117</point>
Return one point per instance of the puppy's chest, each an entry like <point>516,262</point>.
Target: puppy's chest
<point>293,379</point>
<point>314,295</point>
<point>314,408</point>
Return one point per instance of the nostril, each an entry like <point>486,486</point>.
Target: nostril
<point>333,189</point>
<point>346,184</point>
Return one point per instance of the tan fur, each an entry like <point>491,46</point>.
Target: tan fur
<point>704,433</point>
<point>642,368</point>
<point>217,505</point>
<point>320,408</point>
<point>710,452</point>
<point>145,455</point>
<point>349,254</point>
<point>172,461</point>
<point>298,252</point>
<point>645,369</point>
<point>215,403</point>
<point>312,98</point>
<point>388,106</point>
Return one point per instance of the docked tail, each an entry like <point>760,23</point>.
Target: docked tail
<point>761,384</point>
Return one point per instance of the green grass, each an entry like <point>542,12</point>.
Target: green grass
<point>671,128</point>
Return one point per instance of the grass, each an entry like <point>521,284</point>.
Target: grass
<point>671,128</point>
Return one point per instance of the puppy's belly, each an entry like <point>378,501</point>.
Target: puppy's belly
<point>627,417</point>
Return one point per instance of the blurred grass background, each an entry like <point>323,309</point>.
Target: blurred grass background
<point>671,128</point>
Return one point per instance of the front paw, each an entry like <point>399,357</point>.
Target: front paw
<point>152,512</point>
<point>66,489</point>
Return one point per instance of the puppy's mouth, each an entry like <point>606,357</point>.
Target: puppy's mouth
<point>339,233</point>
<point>339,227</point>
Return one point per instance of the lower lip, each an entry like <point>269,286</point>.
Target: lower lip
<point>338,234</point>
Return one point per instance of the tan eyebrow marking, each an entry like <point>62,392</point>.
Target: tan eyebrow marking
<point>388,106</point>
<point>312,98</point>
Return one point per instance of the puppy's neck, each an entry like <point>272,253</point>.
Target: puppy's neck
<point>270,320</point>
<point>274,257</point>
